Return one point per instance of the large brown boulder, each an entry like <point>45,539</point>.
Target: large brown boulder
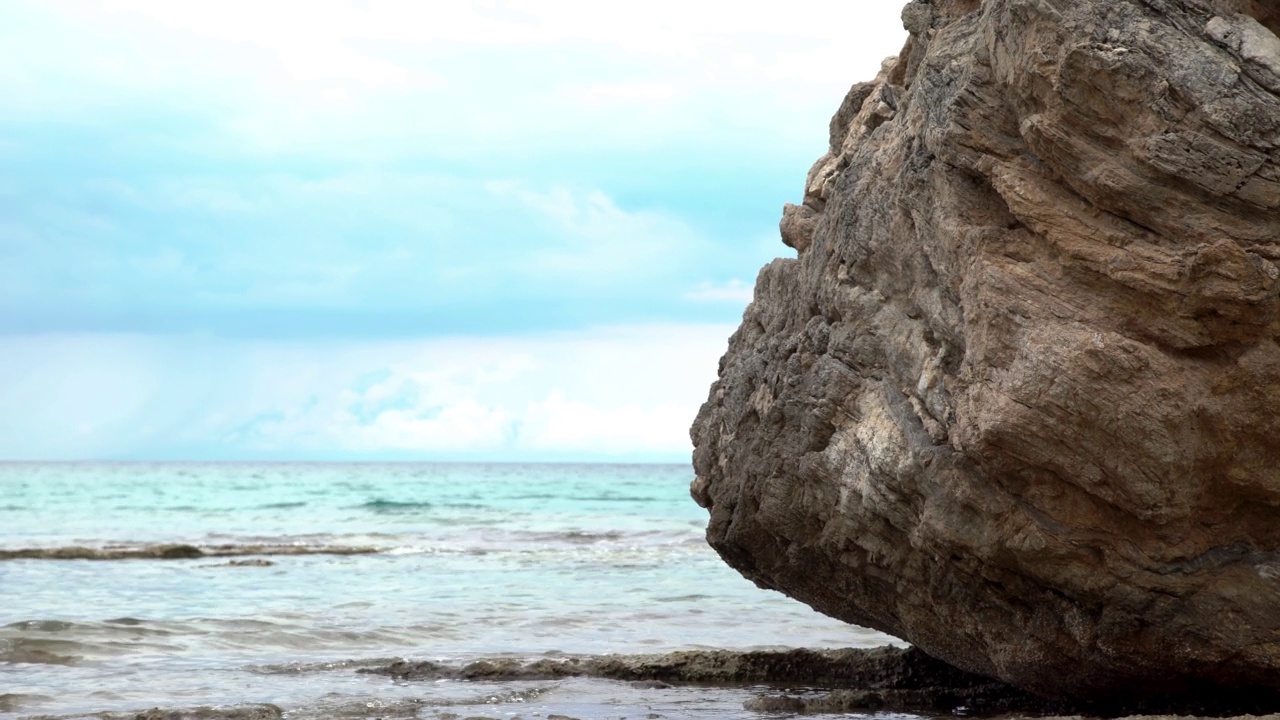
<point>1017,401</point>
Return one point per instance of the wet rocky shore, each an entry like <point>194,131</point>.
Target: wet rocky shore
<point>885,678</point>
<point>780,683</point>
<point>832,681</point>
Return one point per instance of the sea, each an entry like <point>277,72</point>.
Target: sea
<point>288,579</point>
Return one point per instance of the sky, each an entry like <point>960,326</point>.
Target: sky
<point>403,230</point>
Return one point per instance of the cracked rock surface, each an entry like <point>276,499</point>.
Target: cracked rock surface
<point>1017,400</point>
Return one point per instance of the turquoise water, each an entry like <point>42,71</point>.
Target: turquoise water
<point>473,561</point>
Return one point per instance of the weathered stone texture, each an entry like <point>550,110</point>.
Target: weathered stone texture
<point>1017,401</point>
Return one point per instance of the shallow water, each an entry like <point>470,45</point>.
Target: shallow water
<point>472,561</point>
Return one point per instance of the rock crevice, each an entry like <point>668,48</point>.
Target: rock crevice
<point>1017,400</point>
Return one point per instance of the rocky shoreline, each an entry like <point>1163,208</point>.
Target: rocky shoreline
<point>405,710</point>
<point>791,682</point>
<point>885,678</point>
<point>833,681</point>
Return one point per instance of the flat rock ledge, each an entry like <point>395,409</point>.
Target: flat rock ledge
<point>791,682</point>
<point>1017,398</point>
<point>885,678</point>
<point>823,681</point>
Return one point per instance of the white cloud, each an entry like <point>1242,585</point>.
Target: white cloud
<point>559,424</point>
<point>365,100</point>
<point>639,93</point>
<point>659,27</point>
<point>622,392</point>
<point>383,238</point>
<point>307,76</point>
<point>591,238</point>
<point>735,291</point>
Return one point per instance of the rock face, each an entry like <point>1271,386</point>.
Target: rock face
<point>1017,401</point>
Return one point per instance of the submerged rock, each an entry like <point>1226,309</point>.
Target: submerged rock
<point>1017,401</point>
<point>879,678</point>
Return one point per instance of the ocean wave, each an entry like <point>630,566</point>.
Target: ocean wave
<point>683,598</point>
<point>465,506</point>
<point>413,707</point>
<point>34,651</point>
<point>224,712</point>
<point>303,668</point>
<point>386,507</point>
<point>618,498</point>
<point>131,622</point>
<point>13,702</point>
<point>251,562</point>
<point>646,537</point>
<point>307,538</point>
<point>282,505</point>
<point>42,625</point>
<point>123,626</point>
<point>59,642</point>
<point>178,551</point>
<point>575,537</point>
